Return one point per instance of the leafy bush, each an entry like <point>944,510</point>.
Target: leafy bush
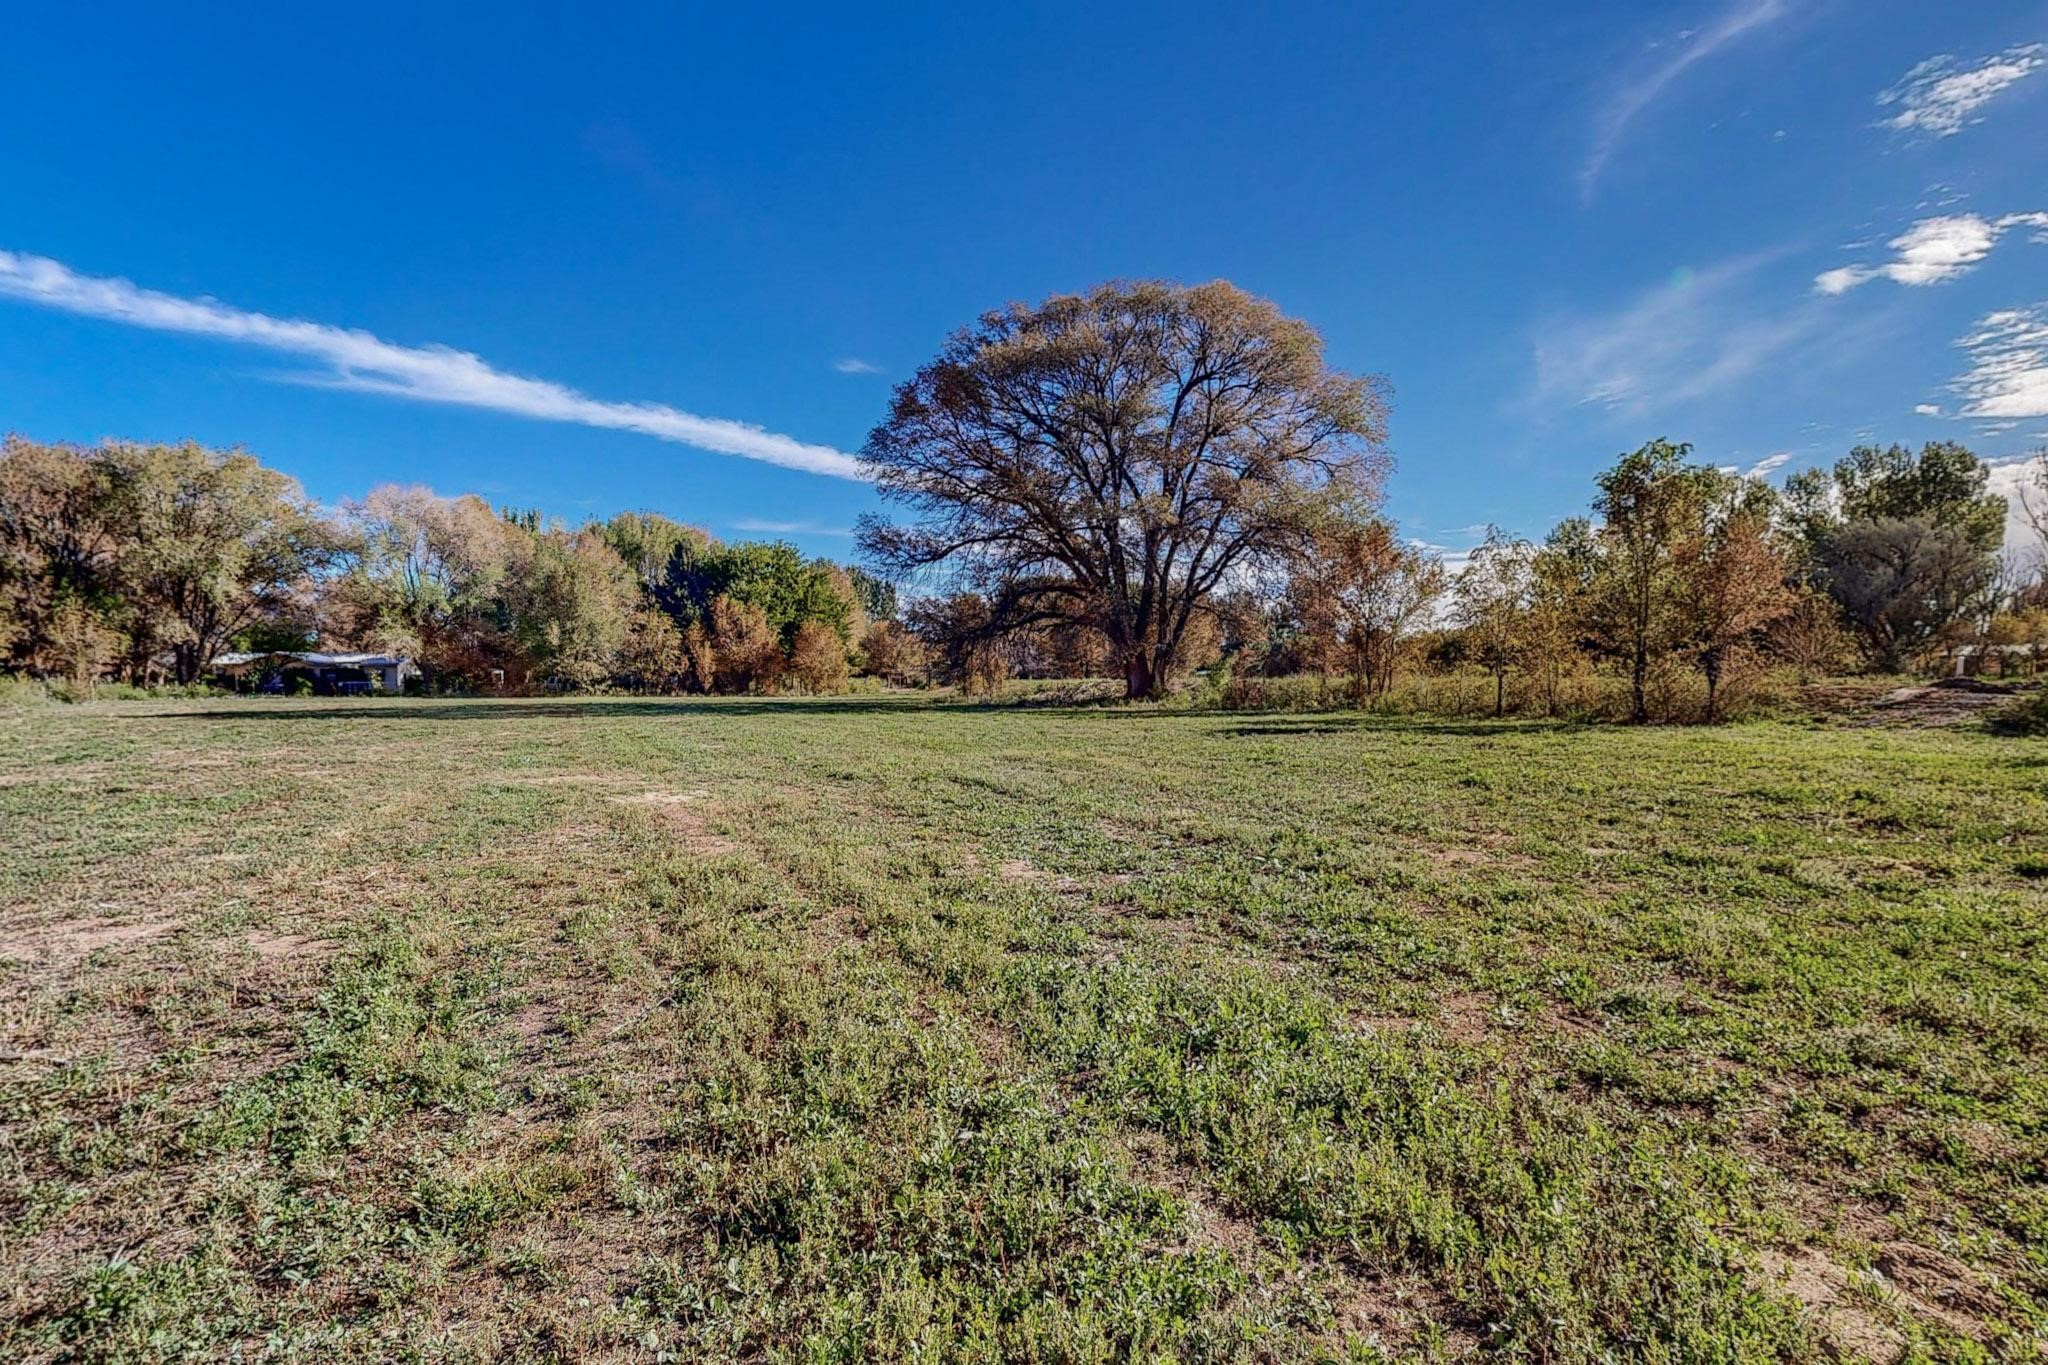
<point>2027,715</point>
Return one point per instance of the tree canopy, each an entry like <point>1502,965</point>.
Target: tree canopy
<point>1907,545</point>
<point>1114,458</point>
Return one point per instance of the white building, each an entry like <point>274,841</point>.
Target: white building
<point>335,673</point>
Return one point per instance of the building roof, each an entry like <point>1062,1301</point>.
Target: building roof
<point>306,657</point>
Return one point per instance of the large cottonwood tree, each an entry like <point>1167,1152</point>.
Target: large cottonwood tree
<point>1115,458</point>
<point>212,544</point>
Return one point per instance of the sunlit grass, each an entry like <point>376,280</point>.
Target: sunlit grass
<point>877,1029</point>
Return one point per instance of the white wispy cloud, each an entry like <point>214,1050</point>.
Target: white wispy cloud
<point>2010,478</point>
<point>855,365</point>
<point>1927,409</point>
<point>1933,251</point>
<point>360,361</point>
<point>2008,375</point>
<point>1628,102</point>
<point>1455,558</point>
<point>1769,464</point>
<point>1942,96</point>
<point>1671,344</point>
<point>757,526</point>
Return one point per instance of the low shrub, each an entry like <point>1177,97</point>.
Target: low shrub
<point>1677,695</point>
<point>2024,715</point>
<point>23,692</point>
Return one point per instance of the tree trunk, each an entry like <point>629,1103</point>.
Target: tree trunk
<point>1639,687</point>
<point>1712,667</point>
<point>1500,693</point>
<point>1139,680</point>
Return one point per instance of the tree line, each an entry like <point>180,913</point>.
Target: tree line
<point>1150,479</point>
<point>147,562</point>
<point>1684,583</point>
<point>1143,482</point>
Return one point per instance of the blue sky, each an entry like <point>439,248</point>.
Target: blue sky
<point>600,257</point>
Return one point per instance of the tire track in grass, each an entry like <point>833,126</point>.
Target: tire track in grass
<point>276,1196</point>
<point>1030,965</point>
<point>925,803</point>
<point>834,943</point>
<point>1393,1313</point>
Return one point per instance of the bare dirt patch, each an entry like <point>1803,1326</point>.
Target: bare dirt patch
<point>1392,1311</point>
<point>1468,1016</point>
<point>1824,1290</point>
<point>683,815</point>
<point>531,1023</point>
<point>275,947</point>
<point>1210,1226</point>
<point>682,798</point>
<point>73,939</point>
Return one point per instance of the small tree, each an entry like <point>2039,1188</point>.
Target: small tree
<point>1810,635</point>
<point>817,659</point>
<point>568,598</point>
<point>59,548</point>
<point>1649,504</point>
<point>749,657</point>
<point>1735,580</point>
<point>1360,594</point>
<point>82,645</point>
<point>984,669</point>
<point>700,657</point>
<point>653,653</point>
<point>1561,575</point>
<point>1494,593</point>
<point>890,652</point>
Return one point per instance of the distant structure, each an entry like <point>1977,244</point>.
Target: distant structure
<point>1971,659</point>
<point>330,674</point>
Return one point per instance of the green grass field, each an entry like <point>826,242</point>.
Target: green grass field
<point>878,1029</point>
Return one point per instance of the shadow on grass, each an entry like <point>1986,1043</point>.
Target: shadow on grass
<point>523,708</point>
<point>1351,723</point>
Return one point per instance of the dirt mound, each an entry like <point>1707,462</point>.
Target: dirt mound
<point>1934,705</point>
<point>1922,705</point>
<point>1976,685</point>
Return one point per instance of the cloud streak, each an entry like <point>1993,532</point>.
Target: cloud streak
<point>2013,480</point>
<point>1934,251</point>
<point>365,363</point>
<point>855,365</point>
<point>1768,465</point>
<point>1628,103</point>
<point>2008,374</point>
<point>1672,344</point>
<point>759,526</point>
<point>1941,96</point>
